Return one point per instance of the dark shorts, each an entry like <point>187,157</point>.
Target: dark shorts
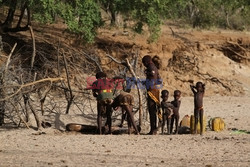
<point>103,105</point>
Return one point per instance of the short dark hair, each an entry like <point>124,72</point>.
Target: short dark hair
<point>100,75</point>
<point>146,59</point>
<point>163,92</point>
<point>177,92</point>
<point>198,84</point>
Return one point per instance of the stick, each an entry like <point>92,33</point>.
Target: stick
<point>30,84</point>
<point>34,46</point>
<point>8,61</point>
<point>70,91</point>
<point>138,90</point>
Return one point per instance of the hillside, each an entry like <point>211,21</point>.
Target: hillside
<point>219,58</point>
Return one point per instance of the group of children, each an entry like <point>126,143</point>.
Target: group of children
<point>104,95</point>
<point>170,110</point>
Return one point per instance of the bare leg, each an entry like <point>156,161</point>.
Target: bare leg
<point>100,108</point>
<point>128,109</point>
<point>169,125</point>
<point>196,116</point>
<point>99,123</point>
<point>176,123</point>
<point>124,114</point>
<point>129,125</point>
<point>152,116</point>
<point>159,120</point>
<point>109,113</point>
<point>201,121</point>
<point>163,123</point>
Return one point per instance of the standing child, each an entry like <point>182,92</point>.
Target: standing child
<point>102,91</point>
<point>176,106</point>
<point>153,84</point>
<point>198,91</point>
<point>167,110</point>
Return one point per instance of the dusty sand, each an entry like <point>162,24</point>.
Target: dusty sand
<point>52,147</point>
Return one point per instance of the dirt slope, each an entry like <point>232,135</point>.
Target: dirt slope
<point>219,58</point>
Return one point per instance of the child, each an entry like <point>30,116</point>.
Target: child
<point>176,106</point>
<point>198,92</point>
<point>167,110</point>
<point>153,80</point>
<point>125,101</point>
<point>102,91</point>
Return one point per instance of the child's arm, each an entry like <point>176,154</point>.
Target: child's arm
<point>94,90</point>
<point>95,94</point>
<point>167,105</point>
<point>203,86</point>
<point>193,88</point>
<point>176,104</point>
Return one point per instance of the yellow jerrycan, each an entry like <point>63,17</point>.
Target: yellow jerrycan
<point>185,121</point>
<point>217,124</point>
<point>198,125</point>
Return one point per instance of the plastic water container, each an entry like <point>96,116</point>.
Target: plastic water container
<point>217,124</point>
<point>185,121</point>
<point>198,125</point>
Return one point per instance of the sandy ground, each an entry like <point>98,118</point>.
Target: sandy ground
<point>51,147</point>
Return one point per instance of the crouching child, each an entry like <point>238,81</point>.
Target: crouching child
<point>125,101</point>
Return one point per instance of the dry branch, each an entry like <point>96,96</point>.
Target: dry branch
<point>138,90</point>
<point>2,90</point>
<point>114,59</point>
<point>38,121</point>
<point>71,97</point>
<point>241,56</point>
<point>30,84</point>
<point>34,46</point>
<point>95,60</point>
<point>236,44</point>
<point>8,61</point>
<point>25,123</point>
<point>43,97</point>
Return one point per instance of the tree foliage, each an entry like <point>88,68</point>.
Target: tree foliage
<point>232,14</point>
<point>84,17</point>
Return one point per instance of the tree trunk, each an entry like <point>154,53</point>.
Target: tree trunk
<point>227,20</point>
<point>8,21</point>
<point>113,18</point>
<point>112,12</point>
<point>23,8</point>
<point>2,108</point>
<point>2,103</point>
<point>2,95</point>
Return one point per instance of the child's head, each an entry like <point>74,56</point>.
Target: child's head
<point>157,61</point>
<point>100,75</point>
<point>146,60</point>
<point>164,95</point>
<point>199,86</point>
<point>177,94</point>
